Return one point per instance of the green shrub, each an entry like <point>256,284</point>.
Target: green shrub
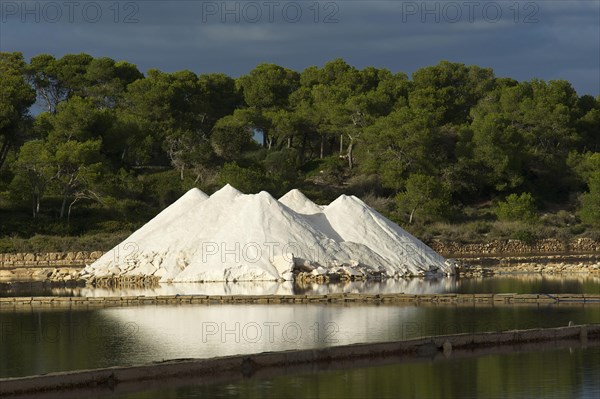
<point>247,180</point>
<point>593,234</point>
<point>589,212</point>
<point>363,185</point>
<point>332,170</point>
<point>517,208</point>
<point>482,227</point>
<point>49,243</point>
<point>425,199</point>
<point>282,168</point>
<point>526,236</point>
<point>163,188</point>
<point>577,229</point>
<point>383,205</point>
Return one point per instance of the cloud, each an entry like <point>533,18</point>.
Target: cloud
<point>548,40</point>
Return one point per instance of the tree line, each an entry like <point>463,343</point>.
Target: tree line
<point>450,137</point>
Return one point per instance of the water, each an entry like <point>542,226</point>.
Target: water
<point>533,283</point>
<point>36,341</point>
<point>549,374</point>
<point>46,340</point>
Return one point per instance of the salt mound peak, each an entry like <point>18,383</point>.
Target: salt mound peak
<point>194,193</point>
<point>299,203</point>
<point>348,200</point>
<point>187,201</point>
<point>153,228</point>
<point>228,192</point>
<point>231,236</point>
<point>382,235</point>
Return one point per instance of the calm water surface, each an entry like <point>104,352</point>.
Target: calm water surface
<point>36,341</point>
<point>40,341</point>
<point>549,374</point>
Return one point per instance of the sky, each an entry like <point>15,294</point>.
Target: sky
<point>544,39</point>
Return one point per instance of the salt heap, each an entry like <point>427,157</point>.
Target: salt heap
<point>298,202</point>
<point>231,236</point>
<point>121,258</point>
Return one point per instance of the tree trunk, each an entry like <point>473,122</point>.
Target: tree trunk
<point>410,219</point>
<point>64,204</point>
<point>302,152</point>
<point>322,146</point>
<point>341,144</point>
<point>350,149</point>
<point>33,206</point>
<point>181,172</point>
<point>289,144</point>
<point>69,212</point>
<point>4,151</point>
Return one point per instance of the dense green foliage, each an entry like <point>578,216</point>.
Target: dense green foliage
<point>517,207</point>
<point>113,145</point>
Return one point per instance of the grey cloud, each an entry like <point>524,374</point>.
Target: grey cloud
<point>173,35</point>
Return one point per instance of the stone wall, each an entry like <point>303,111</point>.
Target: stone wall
<point>507,247</point>
<point>51,259</point>
<point>64,274</point>
<point>452,249</point>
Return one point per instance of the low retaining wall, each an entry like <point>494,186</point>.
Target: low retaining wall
<point>50,259</point>
<point>243,366</point>
<point>592,299</point>
<point>513,247</point>
<point>448,249</point>
<point>550,265</point>
<point>64,274</point>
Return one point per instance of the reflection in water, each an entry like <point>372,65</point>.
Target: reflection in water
<point>573,373</point>
<point>533,283</point>
<point>415,286</point>
<point>39,341</point>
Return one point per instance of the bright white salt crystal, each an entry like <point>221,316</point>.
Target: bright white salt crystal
<point>298,202</point>
<point>255,231</point>
<point>235,237</point>
<point>356,222</point>
<point>131,245</point>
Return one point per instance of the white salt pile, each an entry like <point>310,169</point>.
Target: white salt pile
<point>298,202</point>
<point>231,236</point>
